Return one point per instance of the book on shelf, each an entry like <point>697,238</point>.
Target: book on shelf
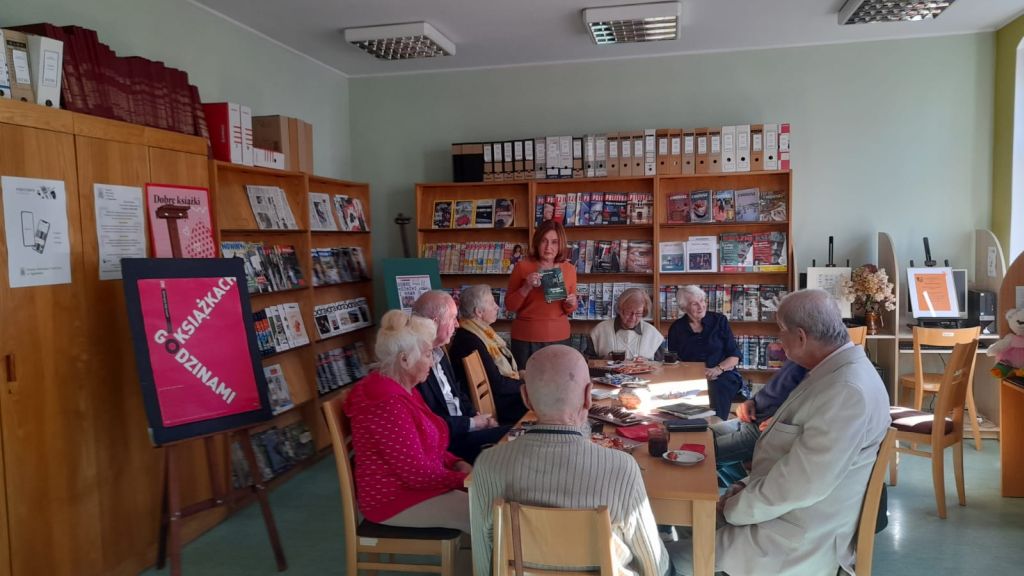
<point>270,208</point>
<point>724,207</point>
<point>504,213</point>
<point>641,208</point>
<point>638,256</point>
<point>686,410</point>
<point>277,389</point>
<point>748,207</point>
<point>275,316</point>
<point>350,213</point>
<point>673,256</point>
<point>483,213</point>
<point>229,249</point>
<point>679,208</point>
<point>295,328</point>
<point>770,251</point>
<point>615,209</point>
<point>700,206</point>
<point>596,208</point>
<point>736,252</point>
<point>770,295</point>
<point>553,283</point>
<point>321,217</point>
<point>443,213</point>
<point>773,206</point>
<point>571,203</point>
<point>702,254</point>
<point>463,215</point>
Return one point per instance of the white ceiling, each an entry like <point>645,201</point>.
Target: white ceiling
<point>493,33</point>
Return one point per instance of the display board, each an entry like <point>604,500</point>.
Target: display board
<point>195,346</point>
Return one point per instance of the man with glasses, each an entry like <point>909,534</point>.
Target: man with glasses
<point>627,333</point>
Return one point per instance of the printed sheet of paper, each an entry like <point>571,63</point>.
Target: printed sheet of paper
<point>410,288</point>
<point>831,280</point>
<point>120,227</point>
<point>36,221</point>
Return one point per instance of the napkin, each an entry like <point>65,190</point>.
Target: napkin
<point>698,448</point>
<point>638,432</point>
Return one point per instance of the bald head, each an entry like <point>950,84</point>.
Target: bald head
<point>438,306</point>
<point>558,385</point>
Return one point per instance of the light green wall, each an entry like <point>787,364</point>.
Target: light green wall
<point>1007,39</point>
<point>891,136</point>
<point>225,61</point>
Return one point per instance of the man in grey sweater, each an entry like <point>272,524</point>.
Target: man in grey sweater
<point>556,465</point>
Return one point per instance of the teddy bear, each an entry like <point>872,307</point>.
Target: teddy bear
<point>1009,350</point>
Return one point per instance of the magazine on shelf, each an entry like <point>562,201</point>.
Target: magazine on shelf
<point>340,317</point>
<point>277,389</point>
<point>702,254</point>
<point>773,206</point>
<point>442,214</point>
<point>504,213</point>
<point>748,205</point>
<point>736,252</point>
<point>321,217</point>
<point>238,249</point>
<point>294,326</point>
<point>679,208</point>
<point>463,216</point>
<point>700,206</point>
<point>686,410</point>
<point>483,213</point>
<point>673,256</point>
<point>724,208</point>
<point>270,208</point>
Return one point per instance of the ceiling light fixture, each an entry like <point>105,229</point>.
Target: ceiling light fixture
<point>868,11</point>
<point>634,23</point>
<point>400,41</point>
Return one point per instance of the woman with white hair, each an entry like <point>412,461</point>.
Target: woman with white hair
<point>404,474</point>
<point>627,333</point>
<point>702,336</point>
<point>477,311</point>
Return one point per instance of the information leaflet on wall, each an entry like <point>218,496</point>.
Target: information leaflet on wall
<point>36,221</point>
<point>120,227</point>
<point>409,289</point>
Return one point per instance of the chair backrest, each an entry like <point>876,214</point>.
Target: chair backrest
<point>869,508</point>
<point>858,334</point>
<point>939,337</point>
<point>554,537</point>
<point>479,385</point>
<point>338,426</point>
<point>953,390</point>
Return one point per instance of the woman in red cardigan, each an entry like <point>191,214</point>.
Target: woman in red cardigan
<point>539,323</point>
<point>403,473</point>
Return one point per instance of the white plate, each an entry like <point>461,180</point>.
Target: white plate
<point>683,457</point>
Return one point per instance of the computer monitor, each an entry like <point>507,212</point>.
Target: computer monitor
<point>934,292</point>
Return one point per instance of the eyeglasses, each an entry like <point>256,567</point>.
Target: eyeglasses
<point>631,313</point>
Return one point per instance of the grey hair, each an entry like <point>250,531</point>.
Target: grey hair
<point>471,298</point>
<point>433,304</point>
<point>401,334</point>
<point>686,293</point>
<point>815,312</point>
<point>634,294</point>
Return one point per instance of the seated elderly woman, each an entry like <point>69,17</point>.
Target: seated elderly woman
<point>477,311</point>
<point>627,333</point>
<point>403,473</point>
<point>702,336</point>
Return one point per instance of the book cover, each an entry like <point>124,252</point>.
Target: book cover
<point>770,295</point>
<point>553,283</point>
<point>776,354</point>
<point>483,213</point>
<point>672,256</point>
<point>596,208</point>
<point>724,209</point>
<point>751,301</point>
<point>773,206</point>
<point>442,214</point>
<point>702,254</point>
<point>583,209</point>
<point>361,224</point>
<point>463,215</point>
<point>679,208</point>
<point>700,206</point>
<point>504,213</point>
<point>736,252</point>
<point>748,205</point>
<point>320,214</point>
<point>638,256</point>
<point>686,410</point>
<point>641,208</point>
<point>255,256</point>
<point>290,268</point>
<point>616,209</point>
<point>770,251</point>
<point>277,328</point>
<point>277,389</point>
<point>606,257</point>
<point>294,326</point>
<point>280,206</point>
<point>538,210</point>
<point>559,213</point>
<point>179,221</point>
<point>570,209</point>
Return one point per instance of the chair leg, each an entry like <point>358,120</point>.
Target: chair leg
<point>894,464</point>
<point>958,471</point>
<point>449,553</point>
<point>938,479</point>
<point>972,413</point>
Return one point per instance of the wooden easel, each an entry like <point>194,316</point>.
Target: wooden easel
<point>172,513</point>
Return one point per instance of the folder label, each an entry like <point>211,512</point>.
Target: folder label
<point>702,145</point>
<point>675,145</point>
<point>51,67</point>
<point>20,58</point>
<point>528,149</point>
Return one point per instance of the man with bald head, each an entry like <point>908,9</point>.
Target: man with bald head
<point>556,465</point>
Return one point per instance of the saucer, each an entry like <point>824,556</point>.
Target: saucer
<point>683,457</point>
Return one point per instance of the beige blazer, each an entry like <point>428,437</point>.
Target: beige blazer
<point>799,511</point>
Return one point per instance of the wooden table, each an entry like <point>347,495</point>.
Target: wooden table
<point>682,495</point>
<point>1011,442</point>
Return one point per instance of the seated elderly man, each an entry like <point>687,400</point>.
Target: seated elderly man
<point>447,396</point>
<point>797,512</point>
<point>549,464</point>
<point>627,332</point>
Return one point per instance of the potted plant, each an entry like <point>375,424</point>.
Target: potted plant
<point>870,290</point>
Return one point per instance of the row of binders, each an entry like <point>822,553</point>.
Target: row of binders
<point>68,67</point>
<point>649,152</point>
<point>738,302</point>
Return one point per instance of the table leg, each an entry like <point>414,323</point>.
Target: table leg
<point>704,537</point>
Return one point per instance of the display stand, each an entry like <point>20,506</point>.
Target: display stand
<point>172,512</point>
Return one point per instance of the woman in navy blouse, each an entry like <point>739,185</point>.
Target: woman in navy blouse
<point>702,336</point>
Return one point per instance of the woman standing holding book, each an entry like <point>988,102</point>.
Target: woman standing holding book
<point>542,293</point>
<point>702,336</point>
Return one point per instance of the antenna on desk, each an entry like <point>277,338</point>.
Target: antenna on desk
<point>928,254</point>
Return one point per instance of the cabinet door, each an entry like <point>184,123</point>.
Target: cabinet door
<point>46,411</point>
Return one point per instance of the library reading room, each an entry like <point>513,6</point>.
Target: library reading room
<point>474,288</point>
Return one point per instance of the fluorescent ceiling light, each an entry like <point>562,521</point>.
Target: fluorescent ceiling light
<point>635,23</point>
<point>868,11</point>
<point>400,41</point>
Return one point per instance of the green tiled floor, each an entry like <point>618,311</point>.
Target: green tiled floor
<point>985,537</point>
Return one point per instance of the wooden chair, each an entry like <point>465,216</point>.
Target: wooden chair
<point>375,539</point>
<point>922,427</point>
<point>858,334</point>
<point>479,385</point>
<point>574,541</point>
<point>922,382</point>
<point>869,508</point>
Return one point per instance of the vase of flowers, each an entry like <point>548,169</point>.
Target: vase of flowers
<point>869,288</point>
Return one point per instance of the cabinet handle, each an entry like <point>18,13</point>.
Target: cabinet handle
<point>12,376</point>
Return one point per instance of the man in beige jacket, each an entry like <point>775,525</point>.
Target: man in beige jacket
<point>797,512</point>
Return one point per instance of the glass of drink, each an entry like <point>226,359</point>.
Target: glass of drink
<point>657,440</point>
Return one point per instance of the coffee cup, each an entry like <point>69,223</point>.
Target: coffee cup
<point>671,357</point>
<point>617,356</point>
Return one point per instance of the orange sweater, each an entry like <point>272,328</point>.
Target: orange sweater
<point>537,320</point>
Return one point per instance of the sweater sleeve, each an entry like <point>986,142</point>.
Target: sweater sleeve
<point>513,299</point>
<point>390,426</point>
